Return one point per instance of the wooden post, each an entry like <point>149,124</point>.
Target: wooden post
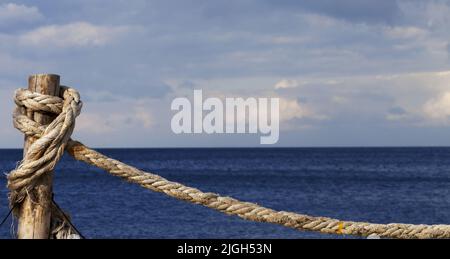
<point>35,211</point>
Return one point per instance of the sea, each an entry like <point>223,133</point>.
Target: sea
<point>380,185</point>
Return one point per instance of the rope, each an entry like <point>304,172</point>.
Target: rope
<point>70,235</point>
<point>45,152</point>
<point>228,205</point>
<point>43,155</point>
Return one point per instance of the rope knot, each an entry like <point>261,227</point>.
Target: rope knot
<point>43,155</point>
<point>52,140</point>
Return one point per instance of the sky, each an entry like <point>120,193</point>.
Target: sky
<point>347,73</point>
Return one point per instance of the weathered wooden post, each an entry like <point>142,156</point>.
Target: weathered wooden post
<point>35,211</point>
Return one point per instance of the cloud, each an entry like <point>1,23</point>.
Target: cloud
<point>407,32</point>
<point>448,50</point>
<point>367,11</point>
<point>355,63</point>
<point>95,123</point>
<point>437,13</point>
<point>397,110</point>
<point>78,34</point>
<point>14,13</point>
<point>438,109</point>
<point>339,99</point>
<point>293,109</point>
<point>187,84</point>
<point>143,116</point>
<point>105,123</point>
<point>396,114</point>
<point>287,83</point>
<point>11,66</point>
<point>141,86</point>
<point>373,99</point>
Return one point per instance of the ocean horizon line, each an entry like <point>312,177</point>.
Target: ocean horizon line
<point>259,147</point>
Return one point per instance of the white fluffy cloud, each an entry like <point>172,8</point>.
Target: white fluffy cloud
<point>413,99</point>
<point>287,83</point>
<point>438,109</point>
<point>13,13</point>
<point>293,109</point>
<point>78,34</point>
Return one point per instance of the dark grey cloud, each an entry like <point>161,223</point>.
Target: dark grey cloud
<point>397,111</point>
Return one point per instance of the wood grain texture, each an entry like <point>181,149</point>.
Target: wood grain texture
<point>35,211</point>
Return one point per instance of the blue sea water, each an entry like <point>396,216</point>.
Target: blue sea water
<point>408,185</point>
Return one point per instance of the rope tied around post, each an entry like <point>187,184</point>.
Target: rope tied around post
<point>43,155</point>
<point>54,138</point>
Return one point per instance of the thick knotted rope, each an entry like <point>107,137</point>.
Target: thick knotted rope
<point>43,155</point>
<point>228,205</point>
<point>45,152</point>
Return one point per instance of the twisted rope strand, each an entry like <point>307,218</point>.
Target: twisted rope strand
<point>252,211</point>
<point>55,138</point>
<point>43,155</point>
